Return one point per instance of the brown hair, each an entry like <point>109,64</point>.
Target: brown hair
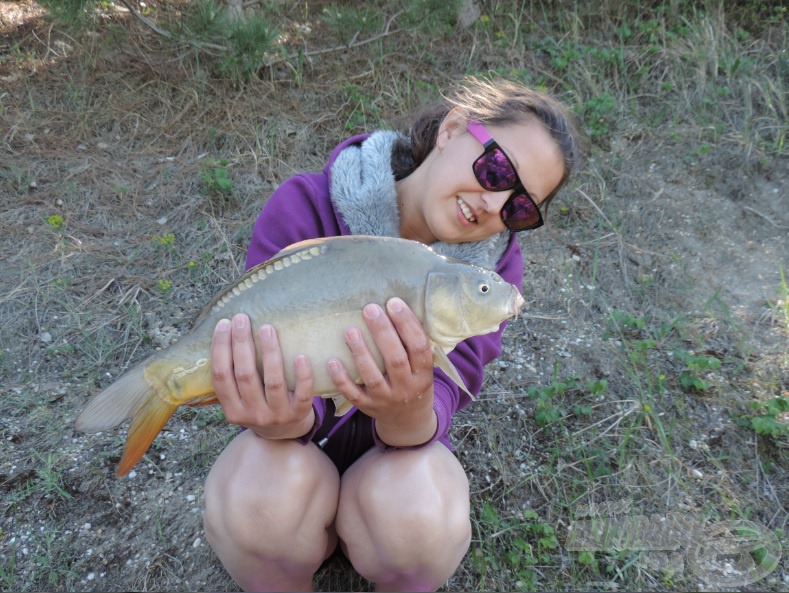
<point>494,102</point>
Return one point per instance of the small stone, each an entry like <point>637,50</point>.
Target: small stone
<point>91,576</point>
<point>697,474</point>
<point>190,497</point>
<point>162,221</point>
<point>197,542</point>
<point>45,337</point>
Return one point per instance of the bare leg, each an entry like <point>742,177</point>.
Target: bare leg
<point>270,508</point>
<point>403,517</point>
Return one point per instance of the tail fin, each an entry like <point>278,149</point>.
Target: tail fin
<point>148,422</point>
<point>131,396</point>
<point>117,403</point>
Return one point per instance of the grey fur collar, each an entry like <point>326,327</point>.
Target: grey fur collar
<point>363,189</point>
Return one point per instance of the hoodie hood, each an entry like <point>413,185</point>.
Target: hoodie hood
<point>363,191</point>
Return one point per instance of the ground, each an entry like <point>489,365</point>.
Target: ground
<point>648,375</point>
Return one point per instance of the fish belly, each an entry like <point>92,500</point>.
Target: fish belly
<point>321,339</point>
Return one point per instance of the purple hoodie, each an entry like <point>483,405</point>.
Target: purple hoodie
<point>302,208</point>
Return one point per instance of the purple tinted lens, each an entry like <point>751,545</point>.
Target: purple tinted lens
<point>520,212</point>
<point>494,171</point>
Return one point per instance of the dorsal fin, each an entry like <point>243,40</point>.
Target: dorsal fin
<point>253,273</point>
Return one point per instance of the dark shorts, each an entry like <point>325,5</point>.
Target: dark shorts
<point>349,442</point>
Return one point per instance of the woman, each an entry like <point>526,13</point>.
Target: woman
<point>381,480</point>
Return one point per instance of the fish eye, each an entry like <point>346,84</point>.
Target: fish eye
<point>484,288</point>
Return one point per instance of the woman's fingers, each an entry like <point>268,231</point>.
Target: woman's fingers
<point>412,335</point>
<point>245,370</point>
<point>303,394</point>
<point>284,405</point>
<point>389,344</point>
<point>342,380</point>
<point>222,366</point>
<point>275,385</point>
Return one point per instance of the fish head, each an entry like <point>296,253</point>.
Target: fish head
<point>469,301</point>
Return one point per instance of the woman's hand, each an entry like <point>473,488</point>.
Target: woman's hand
<point>401,400</point>
<point>263,405</point>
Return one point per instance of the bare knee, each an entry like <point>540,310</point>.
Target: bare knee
<point>415,529</point>
<point>406,516</point>
<point>269,499</point>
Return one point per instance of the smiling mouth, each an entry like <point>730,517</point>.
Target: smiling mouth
<point>466,210</point>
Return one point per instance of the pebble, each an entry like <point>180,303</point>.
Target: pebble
<point>45,337</point>
<point>697,474</point>
<point>197,542</point>
<point>190,497</point>
<point>91,576</point>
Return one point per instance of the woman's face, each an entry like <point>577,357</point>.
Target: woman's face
<point>454,207</point>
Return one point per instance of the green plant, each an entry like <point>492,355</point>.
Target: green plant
<point>347,23</point>
<point>53,559</point>
<point>515,545</point>
<point>770,417</point>
<point>599,112</point>
<point>17,180</point>
<point>56,222</point>
<point>217,178</point>
<point>251,40</point>
<point>71,12</point>
<point>694,367</point>
<point>46,481</point>
<point>781,305</point>
<point>364,110</point>
<point>166,241</point>
<point>431,16</point>
<point>165,287</point>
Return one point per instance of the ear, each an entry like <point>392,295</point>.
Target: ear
<point>454,123</point>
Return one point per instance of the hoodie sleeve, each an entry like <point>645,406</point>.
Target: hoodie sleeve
<point>469,358</point>
<point>298,210</point>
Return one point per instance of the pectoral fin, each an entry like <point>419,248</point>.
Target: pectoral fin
<point>341,405</point>
<point>442,361</point>
<point>204,400</point>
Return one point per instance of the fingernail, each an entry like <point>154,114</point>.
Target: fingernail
<point>354,335</point>
<point>395,304</point>
<point>267,332</point>
<point>223,325</point>
<point>334,367</point>
<point>372,311</point>
<point>301,361</point>
<point>239,321</point>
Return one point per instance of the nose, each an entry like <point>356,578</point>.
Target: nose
<point>494,201</point>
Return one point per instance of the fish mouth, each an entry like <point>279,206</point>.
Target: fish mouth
<point>516,302</point>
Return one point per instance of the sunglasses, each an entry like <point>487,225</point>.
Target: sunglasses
<point>495,172</point>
